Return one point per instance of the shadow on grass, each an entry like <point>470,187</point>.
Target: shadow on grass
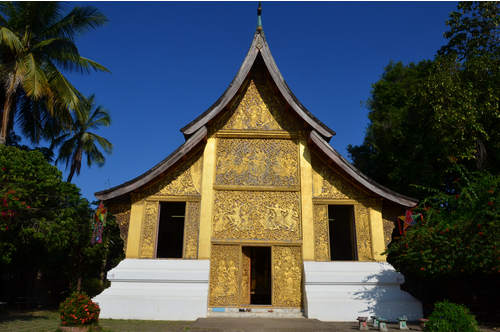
<point>29,315</point>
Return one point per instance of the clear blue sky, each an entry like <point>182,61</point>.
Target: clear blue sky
<point>172,60</point>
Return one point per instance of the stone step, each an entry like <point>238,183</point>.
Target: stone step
<point>256,312</point>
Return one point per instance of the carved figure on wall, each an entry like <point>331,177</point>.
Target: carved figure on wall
<point>287,276</point>
<point>185,180</point>
<point>257,162</point>
<point>328,184</point>
<point>235,215</point>
<point>224,276</point>
<point>257,109</point>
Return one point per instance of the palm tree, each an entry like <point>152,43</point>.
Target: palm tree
<point>79,140</point>
<point>36,39</point>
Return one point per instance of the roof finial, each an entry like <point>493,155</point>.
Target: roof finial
<point>259,20</point>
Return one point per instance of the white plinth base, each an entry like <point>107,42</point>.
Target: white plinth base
<point>150,289</point>
<point>342,291</point>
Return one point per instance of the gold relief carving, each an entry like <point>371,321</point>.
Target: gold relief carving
<point>257,109</point>
<point>122,214</point>
<point>328,184</point>
<point>191,230</point>
<point>245,275</point>
<point>262,215</point>
<point>287,282</point>
<point>257,162</point>
<point>149,230</point>
<point>321,250</point>
<point>224,275</point>
<point>185,180</point>
<point>363,238</point>
<point>389,219</point>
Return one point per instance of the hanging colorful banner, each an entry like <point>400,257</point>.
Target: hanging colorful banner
<point>408,220</point>
<point>98,223</point>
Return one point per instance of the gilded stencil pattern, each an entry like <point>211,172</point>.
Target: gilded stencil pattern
<point>363,233</point>
<point>257,109</point>
<point>328,184</point>
<point>389,218</point>
<point>191,230</point>
<point>245,276</point>
<point>257,162</point>
<point>185,180</point>
<point>122,214</point>
<point>256,215</point>
<point>287,276</point>
<point>149,230</point>
<point>321,249</point>
<point>224,275</point>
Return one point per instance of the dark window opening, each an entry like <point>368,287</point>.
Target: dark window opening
<point>340,222</point>
<point>171,230</point>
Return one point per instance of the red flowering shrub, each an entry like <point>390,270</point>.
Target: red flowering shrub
<point>78,309</point>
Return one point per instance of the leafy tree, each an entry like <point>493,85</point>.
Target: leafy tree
<point>45,223</point>
<point>422,113</point>
<point>474,29</point>
<point>36,41</point>
<point>79,140</point>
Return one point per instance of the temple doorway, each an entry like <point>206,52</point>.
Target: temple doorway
<point>256,276</point>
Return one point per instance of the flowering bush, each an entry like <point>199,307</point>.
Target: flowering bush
<point>78,309</point>
<point>460,233</point>
<point>451,317</point>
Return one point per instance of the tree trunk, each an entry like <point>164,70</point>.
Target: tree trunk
<point>6,117</point>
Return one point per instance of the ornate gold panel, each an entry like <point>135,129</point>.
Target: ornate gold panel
<point>257,162</point>
<point>184,181</point>
<point>257,109</point>
<point>389,218</point>
<point>321,235</point>
<point>287,278</point>
<point>224,276</point>
<point>191,230</point>
<point>328,184</point>
<point>122,214</point>
<point>245,275</point>
<point>264,215</point>
<point>149,226</point>
<point>362,218</point>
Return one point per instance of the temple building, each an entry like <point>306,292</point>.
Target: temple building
<point>255,214</point>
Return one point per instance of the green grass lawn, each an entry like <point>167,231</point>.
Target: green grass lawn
<point>48,320</point>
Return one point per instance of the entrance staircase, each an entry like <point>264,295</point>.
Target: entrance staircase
<point>255,312</point>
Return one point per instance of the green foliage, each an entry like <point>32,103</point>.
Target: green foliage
<point>474,29</point>
<point>422,113</point>
<point>48,227</point>
<point>460,233</point>
<point>451,317</point>
<point>79,140</point>
<point>37,41</point>
<point>78,309</point>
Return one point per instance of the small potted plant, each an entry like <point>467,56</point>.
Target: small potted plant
<point>79,314</point>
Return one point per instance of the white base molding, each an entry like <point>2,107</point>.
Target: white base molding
<point>151,289</point>
<point>342,291</point>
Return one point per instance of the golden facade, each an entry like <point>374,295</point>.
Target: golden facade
<point>257,202</point>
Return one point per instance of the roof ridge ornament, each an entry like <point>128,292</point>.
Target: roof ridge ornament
<point>259,20</point>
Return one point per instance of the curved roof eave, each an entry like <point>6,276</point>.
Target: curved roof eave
<point>154,172</point>
<point>358,176</point>
<point>226,97</point>
<point>259,44</point>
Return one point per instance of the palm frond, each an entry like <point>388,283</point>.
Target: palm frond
<point>77,23</point>
<point>9,39</point>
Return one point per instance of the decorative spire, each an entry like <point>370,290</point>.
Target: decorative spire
<point>259,20</point>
